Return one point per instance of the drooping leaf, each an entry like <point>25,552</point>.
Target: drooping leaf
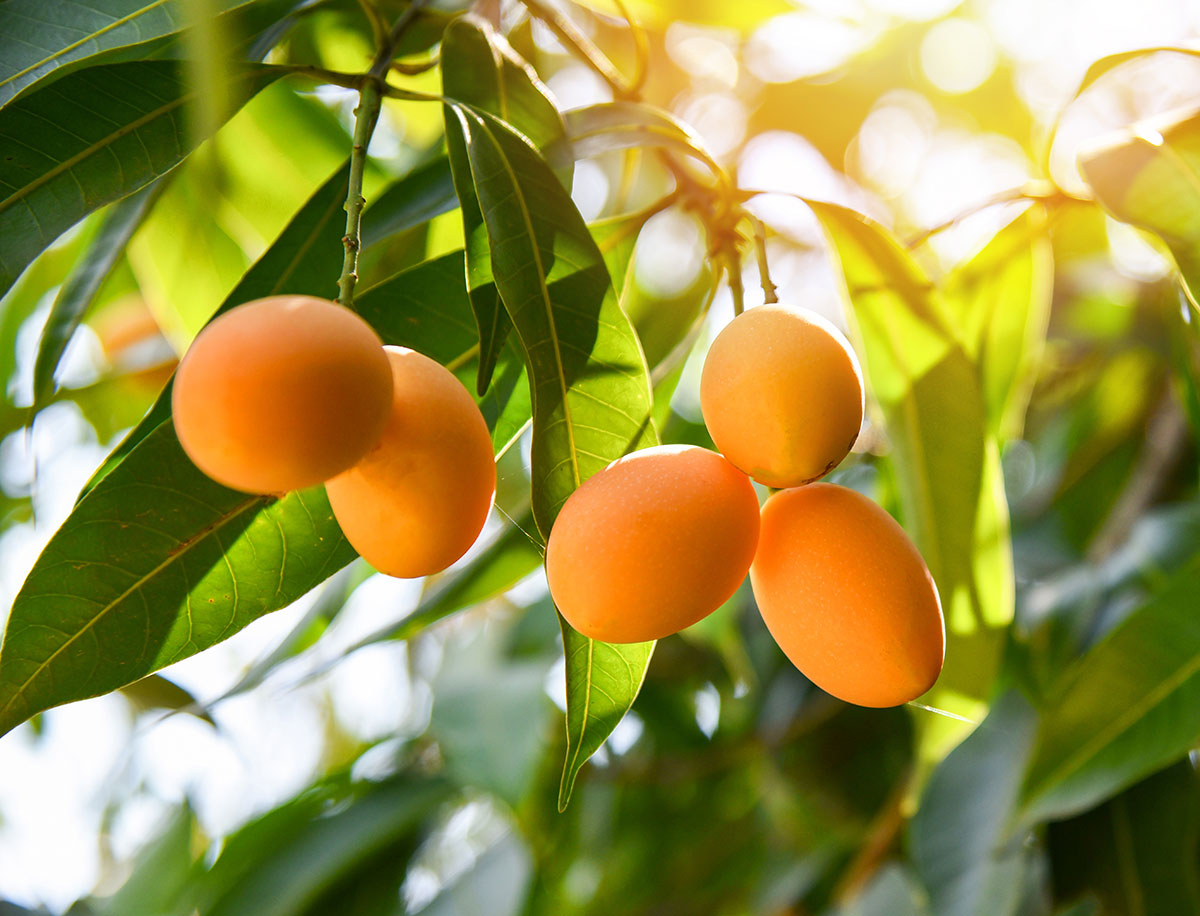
<point>39,38</point>
<point>89,139</point>
<point>606,126</point>
<point>1138,852</point>
<point>156,692</point>
<point>80,288</point>
<point>1127,708</point>
<point>479,68</point>
<point>933,408</point>
<point>591,389</point>
<point>1147,176</point>
<point>156,563</point>
<point>967,857</point>
<point>306,258</point>
<point>999,303</point>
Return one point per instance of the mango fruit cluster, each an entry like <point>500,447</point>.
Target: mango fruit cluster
<point>661,538</point>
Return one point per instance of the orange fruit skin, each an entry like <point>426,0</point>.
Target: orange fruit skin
<point>782,395</point>
<point>653,543</point>
<point>847,596</point>
<point>418,500</point>
<point>281,393</point>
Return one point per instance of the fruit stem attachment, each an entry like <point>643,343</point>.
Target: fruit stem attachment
<point>371,90</point>
<point>764,272</point>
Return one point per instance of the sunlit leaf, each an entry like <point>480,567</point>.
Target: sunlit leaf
<point>999,303</point>
<point>89,139</point>
<point>1149,175</point>
<point>1129,707</point>
<point>591,390</point>
<point>156,563</point>
<point>929,391</point>
<point>38,38</point>
<point>479,68</point>
<point>1105,64</point>
<point>77,293</point>
<point>606,126</point>
<point>966,856</point>
<point>1137,852</point>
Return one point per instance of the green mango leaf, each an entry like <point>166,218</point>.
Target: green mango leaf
<point>929,391</point>
<point>305,259</point>
<point>479,68</point>
<point>156,563</point>
<point>1137,852</point>
<point>607,126</point>
<point>419,196</point>
<point>968,859</point>
<point>1146,175</point>
<point>591,389</point>
<point>999,304</point>
<point>156,692</point>
<point>161,871</point>
<point>42,39</point>
<point>128,124</point>
<point>289,862</point>
<point>1126,709</point>
<point>81,287</point>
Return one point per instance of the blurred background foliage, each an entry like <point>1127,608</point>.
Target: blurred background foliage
<point>1029,330</point>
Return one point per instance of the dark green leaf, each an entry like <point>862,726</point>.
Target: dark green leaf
<point>156,692</point>
<point>80,288</point>
<point>1138,853</point>
<point>306,259</point>
<point>479,68</point>
<point>967,859</point>
<point>40,37</point>
<point>424,193</point>
<point>89,139</point>
<point>1149,175</point>
<point>591,390</point>
<point>156,563</point>
<point>1129,707</point>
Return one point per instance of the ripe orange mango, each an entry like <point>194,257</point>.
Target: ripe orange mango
<point>419,498</point>
<point>651,544</point>
<point>281,393</point>
<point>782,395</point>
<point>847,596</point>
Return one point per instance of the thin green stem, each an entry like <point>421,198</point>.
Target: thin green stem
<point>371,89</point>
<point>764,272</point>
<point>733,268</point>
<point>568,33</point>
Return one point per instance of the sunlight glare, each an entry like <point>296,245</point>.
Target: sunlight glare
<point>957,55</point>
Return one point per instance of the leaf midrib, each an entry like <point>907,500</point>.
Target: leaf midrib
<point>174,554</point>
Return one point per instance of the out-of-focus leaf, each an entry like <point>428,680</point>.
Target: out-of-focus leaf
<point>40,38</point>
<point>929,391</point>
<point>961,845</point>
<point>999,302</point>
<point>156,692</point>
<point>1139,852</point>
<point>1129,707</point>
<point>161,872</point>
<point>315,853</point>
<point>495,885</point>
<point>1112,61</point>
<point>479,68</point>
<point>302,260</point>
<point>156,563</point>
<point>890,893</point>
<point>80,288</point>
<point>745,15</point>
<point>489,717</point>
<point>1146,176</point>
<point>421,195</point>
<point>127,126</point>
<point>606,126</point>
<point>591,389</point>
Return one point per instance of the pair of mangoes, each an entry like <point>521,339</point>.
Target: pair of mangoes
<point>661,538</point>
<point>291,391</point>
